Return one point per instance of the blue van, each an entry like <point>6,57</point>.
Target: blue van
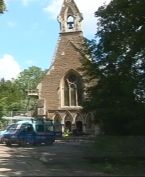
<point>30,132</point>
<point>2,132</point>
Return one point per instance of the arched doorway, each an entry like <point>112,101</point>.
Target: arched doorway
<point>89,123</point>
<point>79,126</point>
<point>57,125</point>
<point>68,125</point>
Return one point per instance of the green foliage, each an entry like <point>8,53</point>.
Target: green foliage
<point>116,68</point>
<point>29,78</point>
<point>2,6</point>
<point>9,94</point>
<point>1,112</point>
<point>13,97</point>
<point>118,155</point>
<point>119,146</point>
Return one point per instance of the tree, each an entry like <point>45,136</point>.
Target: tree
<point>2,6</point>
<point>116,67</point>
<point>29,78</point>
<point>10,95</point>
<point>27,81</point>
<point>13,93</point>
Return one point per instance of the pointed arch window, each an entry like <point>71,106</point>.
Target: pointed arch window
<point>70,22</point>
<point>72,90</point>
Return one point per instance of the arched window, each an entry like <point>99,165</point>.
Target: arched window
<point>70,22</point>
<point>66,93</point>
<point>72,90</point>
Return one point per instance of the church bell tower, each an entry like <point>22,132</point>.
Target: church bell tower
<point>70,18</point>
<point>61,89</point>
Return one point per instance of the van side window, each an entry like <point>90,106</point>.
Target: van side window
<point>29,128</point>
<point>49,127</point>
<point>26,128</point>
<point>40,128</point>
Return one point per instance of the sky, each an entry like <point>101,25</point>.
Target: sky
<point>29,32</point>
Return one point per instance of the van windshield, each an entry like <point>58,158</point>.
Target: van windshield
<point>12,127</point>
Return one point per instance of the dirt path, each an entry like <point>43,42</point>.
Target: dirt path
<point>61,159</point>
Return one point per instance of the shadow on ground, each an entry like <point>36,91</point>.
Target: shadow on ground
<point>64,158</point>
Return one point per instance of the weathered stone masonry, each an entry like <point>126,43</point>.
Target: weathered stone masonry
<point>61,90</point>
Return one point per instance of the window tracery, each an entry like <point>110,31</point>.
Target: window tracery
<point>72,90</point>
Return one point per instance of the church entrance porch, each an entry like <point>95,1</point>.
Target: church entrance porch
<point>74,129</point>
<point>71,121</point>
<point>79,126</point>
<point>68,126</point>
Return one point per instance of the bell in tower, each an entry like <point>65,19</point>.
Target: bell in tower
<point>70,22</point>
<point>70,18</point>
<point>61,91</point>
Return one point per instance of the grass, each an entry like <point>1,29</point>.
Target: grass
<point>118,155</point>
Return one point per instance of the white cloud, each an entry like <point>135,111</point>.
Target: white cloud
<point>87,8</point>
<point>53,8</point>
<point>27,2</point>
<point>9,68</point>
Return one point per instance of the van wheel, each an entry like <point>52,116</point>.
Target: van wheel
<point>8,144</point>
<point>35,144</point>
<point>49,143</point>
<point>22,143</point>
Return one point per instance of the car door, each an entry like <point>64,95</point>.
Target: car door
<point>27,133</point>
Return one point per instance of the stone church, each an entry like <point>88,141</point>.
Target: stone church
<point>60,92</point>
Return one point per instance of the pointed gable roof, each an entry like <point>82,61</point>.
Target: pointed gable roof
<point>69,8</point>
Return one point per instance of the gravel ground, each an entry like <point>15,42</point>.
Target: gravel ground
<point>63,158</point>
